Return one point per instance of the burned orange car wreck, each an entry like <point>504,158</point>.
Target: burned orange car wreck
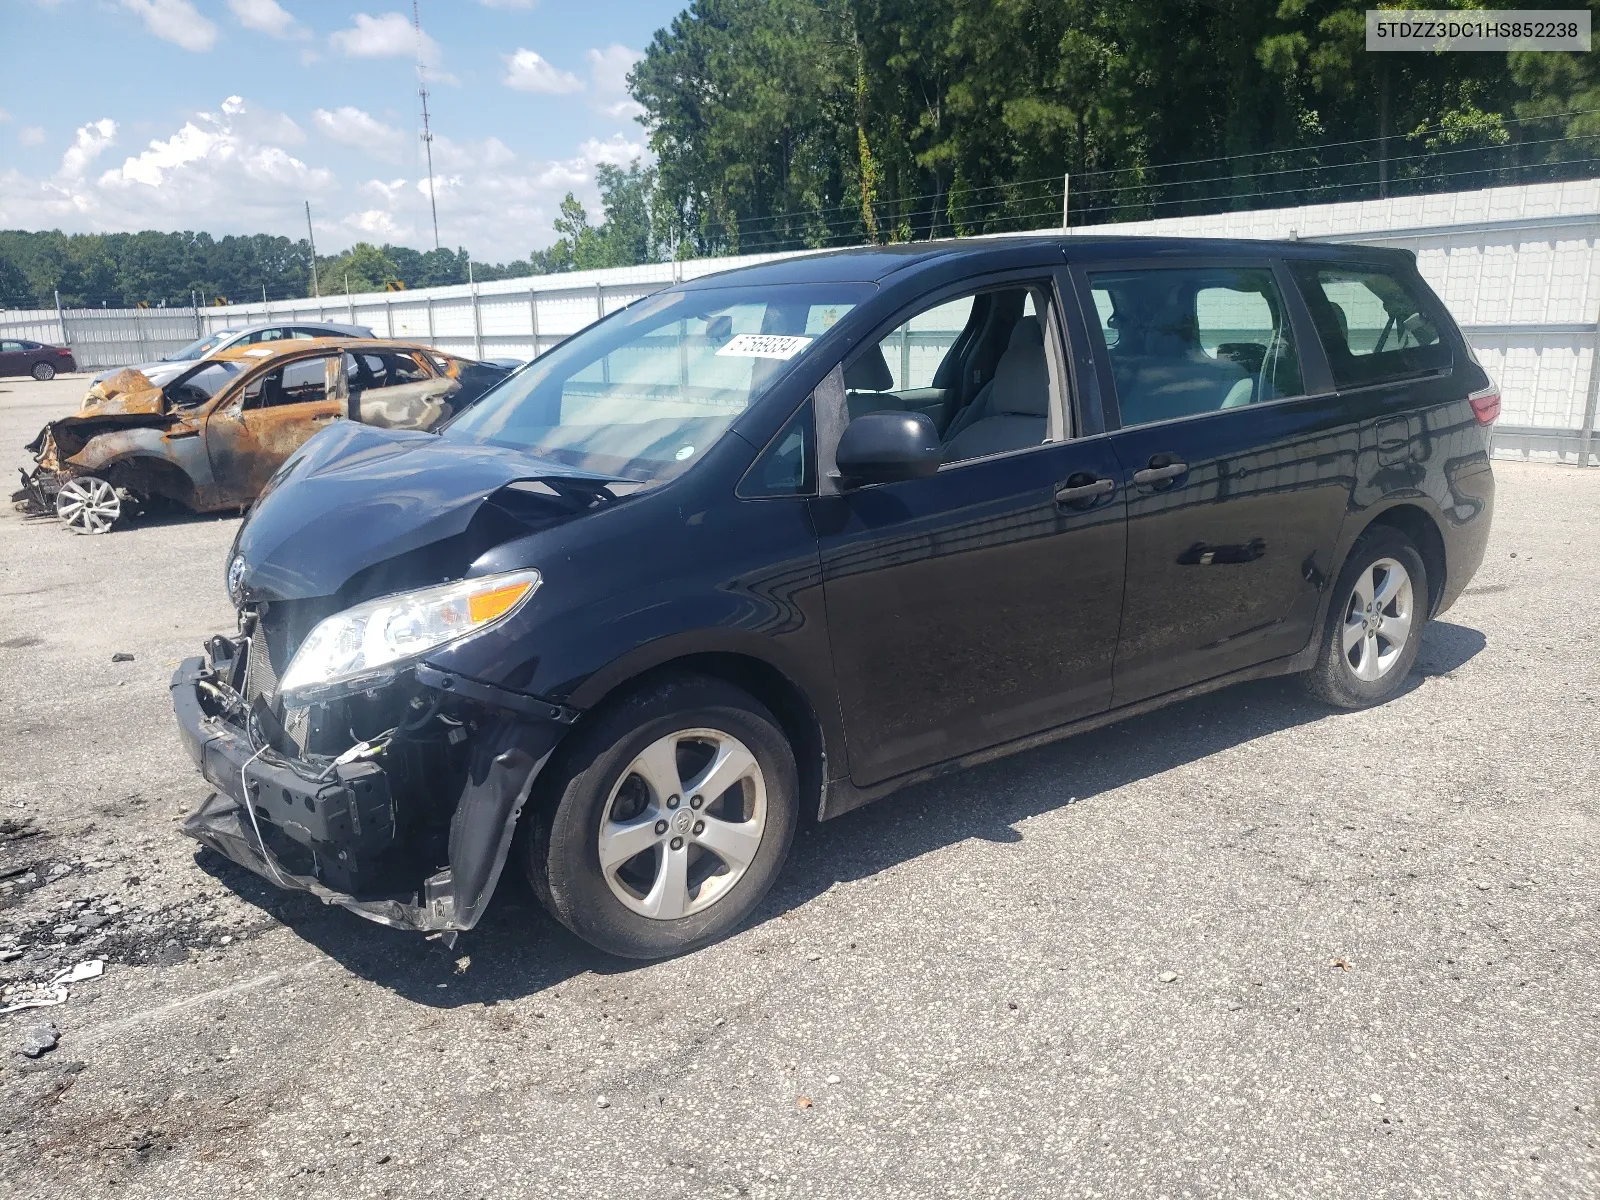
<point>211,438</point>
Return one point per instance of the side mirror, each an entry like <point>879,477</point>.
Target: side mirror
<point>886,447</point>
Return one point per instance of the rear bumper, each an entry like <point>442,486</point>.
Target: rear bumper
<point>309,827</point>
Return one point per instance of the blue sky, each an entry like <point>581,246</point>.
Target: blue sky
<point>226,115</point>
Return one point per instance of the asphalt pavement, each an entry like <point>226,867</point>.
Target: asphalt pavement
<point>1243,946</point>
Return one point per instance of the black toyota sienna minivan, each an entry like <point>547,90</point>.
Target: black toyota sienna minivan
<point>779,541</point>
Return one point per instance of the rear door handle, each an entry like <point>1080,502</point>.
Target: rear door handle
<point>1160,474</point>
<point>1072,493</point>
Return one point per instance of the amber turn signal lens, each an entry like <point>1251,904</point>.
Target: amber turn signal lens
<point>486,606</point>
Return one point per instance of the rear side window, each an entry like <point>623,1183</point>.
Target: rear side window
<point>1376,325</point>
<point>1182,342</point>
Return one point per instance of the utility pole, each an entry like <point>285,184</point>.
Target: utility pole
<point>427,133</point>
<point>315,289</point>
<point>1066,191</point>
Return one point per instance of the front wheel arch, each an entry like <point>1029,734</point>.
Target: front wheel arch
<point>773,687</point>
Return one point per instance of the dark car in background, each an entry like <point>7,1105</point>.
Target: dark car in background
<point>21,357</point>
<point>784,540</point>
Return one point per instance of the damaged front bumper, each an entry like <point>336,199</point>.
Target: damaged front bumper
<point>318,825</point>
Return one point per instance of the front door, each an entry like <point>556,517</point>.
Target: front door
<point>1237,481</point>
<point>974,606</point>
<point>249,436</point>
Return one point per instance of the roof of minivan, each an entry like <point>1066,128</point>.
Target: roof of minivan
<point>875,264</point>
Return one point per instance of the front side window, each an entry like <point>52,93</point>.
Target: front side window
<point>304,381</point>
<point>975,365</point>
<point>1188,341</point>
<point>11,347</point>
<point>786,467</point>
<point>1373,323</point>
<point>645,393</point>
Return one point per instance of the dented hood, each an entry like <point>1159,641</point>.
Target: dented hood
<point>356,496</point>
<point>129,392</point>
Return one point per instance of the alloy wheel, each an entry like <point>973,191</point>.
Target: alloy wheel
<point>1378,619</point>
<point>88,505</point>
<point>683,823</point>
<point>43,371</point>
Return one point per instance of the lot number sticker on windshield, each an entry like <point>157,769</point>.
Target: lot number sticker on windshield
<point>764,345</point>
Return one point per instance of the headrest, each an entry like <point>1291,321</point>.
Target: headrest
<point>1022,378</point>
<point>869,373</point>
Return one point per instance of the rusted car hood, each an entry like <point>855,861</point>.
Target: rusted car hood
<point>128,392</point>
<point>356,496</point>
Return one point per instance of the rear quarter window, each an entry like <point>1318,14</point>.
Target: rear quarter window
<point>1376,324</point>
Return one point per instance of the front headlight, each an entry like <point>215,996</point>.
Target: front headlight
<point>367,643</point>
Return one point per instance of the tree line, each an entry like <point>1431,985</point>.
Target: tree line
<point>784,124</point>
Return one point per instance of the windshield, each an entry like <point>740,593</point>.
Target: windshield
<point>201,347</point>
<point>644,394</point>
<point>200,385</point>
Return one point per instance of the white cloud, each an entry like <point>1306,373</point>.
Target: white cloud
<point>616,150</point>
<point>266,16</point>
<point>390,35</point>
<point>608,68</point>
<point>175,21</point>
<point>33,135</point>
<point>236,169</point>
<point>350,126</point>
<point>527,72</point>
<point>88,144</point>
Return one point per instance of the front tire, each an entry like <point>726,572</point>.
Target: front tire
<point>667,820</point>
<point>1374,626</point>
<point>88,504</point>
<point>43,371</point>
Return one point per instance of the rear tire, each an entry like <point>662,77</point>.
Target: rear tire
<point>689,789</point>
<point>1374,625</point>
<point>43,371</point>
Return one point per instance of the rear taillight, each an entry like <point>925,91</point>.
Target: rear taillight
<point>64,353</point>
<point>1486,404</point>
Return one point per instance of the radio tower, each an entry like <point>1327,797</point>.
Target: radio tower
<point>427,134</point>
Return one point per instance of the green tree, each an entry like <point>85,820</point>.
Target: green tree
<point>362,268</point>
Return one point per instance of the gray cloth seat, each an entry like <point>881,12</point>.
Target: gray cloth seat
<point>1171,376</point>
<point>867,384</point>
<point>1012,410</point>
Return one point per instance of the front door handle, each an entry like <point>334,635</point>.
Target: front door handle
<point>1160,473</point>
<point>1074,491</point>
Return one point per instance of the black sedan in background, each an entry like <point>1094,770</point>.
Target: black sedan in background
<point>19,357</point>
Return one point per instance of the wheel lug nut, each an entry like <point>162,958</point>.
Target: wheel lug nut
<point>699,828</point>
<point>696,801</point>
<point>661,827</point>
<point>677,843</point>
<point>674,801</point>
